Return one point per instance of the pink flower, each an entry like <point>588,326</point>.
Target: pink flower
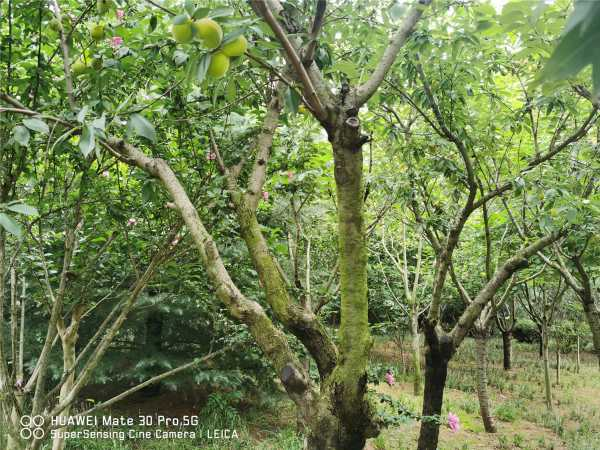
<point>211,156</point>
<point>453,422</point>
<point>120,14</point>
<point>265,196</point>
<point>290,175</point>
<point>131,222</point>
<point>116,41</point>
<point>106,174</point>
<point>389,378</point>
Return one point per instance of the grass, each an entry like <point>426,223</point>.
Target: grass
<point>517,401</point>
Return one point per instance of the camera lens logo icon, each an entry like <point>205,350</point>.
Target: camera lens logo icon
<point>31,426</point>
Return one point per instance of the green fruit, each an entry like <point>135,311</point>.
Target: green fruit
<point>237,47</point>
<point>54,25</point>
<point>209,32</point>
<point>219,65</point>
<point>182,33</point>
<point>97,32</point>
<point>79,67</point>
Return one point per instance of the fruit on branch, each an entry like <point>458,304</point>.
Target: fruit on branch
<point>209,32</point>
<point>182,32</point>
<point>237,47</point>
<point>97,31</point>
<point>79,67</point>
<point>219,65</point>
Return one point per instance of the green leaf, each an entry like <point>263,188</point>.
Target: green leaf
<point>203,67</point>
<point>11,225</point>
<point>21,135</point>
<point>180,57</point>
<point>100,122</point>
<point>231,90</point>
<point>200,13</point>
<point>397,11</point>
<point>233,35</point>
<point>220,12</point>
<point>180,19</point>
<point>189,7</point>
<point>149,191</point>
<point>24,209</point>
<point>577,49</point>
<point>81,114</point>
<point>87,141</point>
<point>292,100</point>
<point>153,23</point>
<point>140,126</point>
<point>35,124</point>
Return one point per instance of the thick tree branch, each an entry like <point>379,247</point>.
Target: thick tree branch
<point>503,273</point>
<point>364,92</point>
<point>263,8</point>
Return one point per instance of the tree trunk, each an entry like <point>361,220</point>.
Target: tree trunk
<point>557,365</point>
<point>593,318</point>
<point>541,345</point>
<point>68,346</point>
<point>482,391</point>
<point>416,354</point>
<point>547,371</point>
<point>578,362</point>
<point>437,355</point>
<point>349,380</point>
<point>507,349</point>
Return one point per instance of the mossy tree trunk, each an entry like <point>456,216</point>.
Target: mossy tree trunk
<point>416,353</point>
<point>546,364</point>
<point>481,339</point>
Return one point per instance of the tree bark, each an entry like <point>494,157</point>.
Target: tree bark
<point>507,349</point>
<point>548,387</point>
<point>578,362</point>
<point>593,318</point>
<point>557,365</point>
<point>438,352</point>
<point>68,346</point>
<point>482,391</point>
<point>416,354</point>
<point>349,380</point>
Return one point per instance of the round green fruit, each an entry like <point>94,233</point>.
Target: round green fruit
<point>79,67</point>
<point>54,25</point>
<point>182,33</point>
<point>237,47</point>
<point>97,32</point>
<point>219,65</point>
<point>209,32</point>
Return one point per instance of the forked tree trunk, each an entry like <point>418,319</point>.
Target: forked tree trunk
<point>482,391</point>
<point>547,384</point>
<point>507,349</point>
<point>416,354</point>
<point>437,356</point>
